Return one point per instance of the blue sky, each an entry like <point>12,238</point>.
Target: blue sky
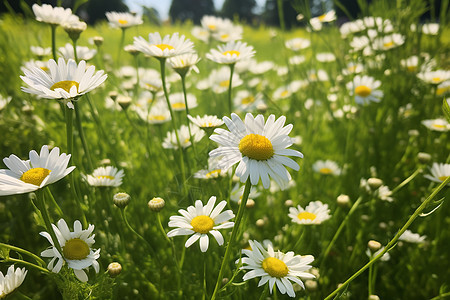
<point>163,5</point>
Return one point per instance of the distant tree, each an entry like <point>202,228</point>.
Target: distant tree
<point>241,8</point>
<point>270,14</point>
<point>151,15</point>
<point>182,10</point>
<point>94,10</point>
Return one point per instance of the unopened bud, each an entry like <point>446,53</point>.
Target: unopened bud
<point>98,40</point>
<point>343,200</point>
<point>374,297</point>
<point>124,101</point>
<point>288,203</point>
<point>374,245</point>
<point>260,222</point>
<point>114,269</point>
<point>374,183</point>
<point>423,157</point>
<point>121,200</point>
<point>311,285</point>
<point>156,204</point>
<point>113,95</point>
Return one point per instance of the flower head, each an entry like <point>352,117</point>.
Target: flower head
<point>313,214</point>
<point>123,19</point>
<point>207,121</point>
<point>231,53</point>
<point>439,172</point>
<point>105,176</point>
<point>76,249</point>
<point>410,237</point>
<point>260,148</point>
<point>83,53</point>
<point>276,267</point>
<point>23,176</point>
<point>170,141</point>
<point>437,124</point>
<point>365,89</point>
<point>53,15</point>
<point>326,167</point>
<point>200,220</point>
<point>169,46</point>
<point>11,280</point>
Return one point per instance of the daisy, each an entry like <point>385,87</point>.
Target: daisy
<point>351,27</point>
<point>315,213</point>
<point>23,176</point>
<point>159,114</point>
<point>170,141</point>
<point>185,62</point>
<point>200,220</point>
<point>237,193</point>
<point>66,80</point>
<point>169,46</point>
<point>443,88</point>
<point>365,89</point>
<point>326,167</point>
<point>40,52</point>
<point>439,172</point>
<point>262,67</point>
<point>228,34</point>
<point>206,122</point>
<point>296,60</point>
<point>200,33</point>
<point>437,125</point>
<point>123,19</point>
<point>430,28</point>
<point>411,63</point>
<point>83,53</point>
<point>231,53</point>
<point>389,41</point>
<point>219,80</point>
<point>260,148</point>
<point>353,68</point>
<point>410,237</point>
<point>325,57</point>
<point>434,77</point>
<point>76,249</point>
<point>105,176</point>
<point>52,15</point>
<point>384,193</point>
<point>215,24</point>
<point>386,256</point>
<point>177,101</point>
<point>276,267</point>
<point>11,280</point>
<point>4,101</point>
<point>247,101</point>
<point>316,23</point>
<point>297,44</point>
<point>317,75</point>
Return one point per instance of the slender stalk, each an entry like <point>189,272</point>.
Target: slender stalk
<point>265,292</point>
<point>82,137</point>
<point>205,293</point>
<point>183,84</point>
<point>122,39</point>
<point>281,14</point>
<point>58,209</point>
<point>230,103</point>
<point>230,245</point>
<point>53,27</point>
<point>23,251</point>
<point>26,263</point>
<point>41,200</point>
<point>370,287</point>
<point>441,296</point>
<point>392,242</point>
<point>407,180</point>
<point>74,44</point>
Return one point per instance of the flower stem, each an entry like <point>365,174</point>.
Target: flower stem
<point>230,103</point>
<point>183,84</point>
<point>53,27</point>
<point>122,39</point>
<point>82,137</point>
<point>26,252</point>
<point>74,44</point>
<point>26,263</point>
<point>230,245</point>
<point>392,242</point>
<point>41,200</point>
<point>407,180</point>
<point>58,209</point>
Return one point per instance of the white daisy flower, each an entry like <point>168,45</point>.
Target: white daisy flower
<point>76,249</point>
<point>184,62</point>
<point>262,67</point>
<point>41,52</point>
<point>169,46</point>
<point>297,44</point>
<point>437,124</point>
<point>326,167</point>
<point>52,15</point>
<point>105,176</point>
<point>247,101</point>
<point>200,33</point>
<point>200,220</point>
<point>215,24</point>
<point>314,213</point>
<point>219,80</point>
<point>430,28</point>
<point>365,89</point>
<point>66,80</point>
<point>349,28</point>
<point>386,256</point>
<point>159,114</point>
<point>207,121</point>
<point>325,57</point>
<point>411,63</point>
<point>388,42</point>
<point>443,88</point>
<point>260,148</point>
<point>434,77</point>
<point>439,172</point>
<point>276,268</point>
<point>316,23</point>
<point>11,280</point>
<point>23,176</point>
<point>4,101</point>
<point>228,34</point>
<point>123,19</point>
<point>296,60</point>
<point>231,53</point>
<point>317,75</point>
<point>213,171</point>
<point>170,141</point>
<point>384,193</point>
<point>177,101</point>
<point>359,42</point>
<point>353,68</point>
<point>237,192</point>
<point>83,53</point>
<point>410,237</point>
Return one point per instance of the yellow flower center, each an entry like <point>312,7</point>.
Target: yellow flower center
<point>436,79</point>
<point>411,68</point>
<point>306,216</point>
<point>178,105</point>
<point>275,267</point>
<point>202,224</point>
<point>35,176</point>
<point>388,44</point>
<point>76,249</point>
<point>248,100</point>
<point>212,27</point>
<point>231,53</point>
<point>224,83</point>
<point>213,174</point>
<point>224,36</point>
<point>363,91</point>
<point>256,146</point>
<point>65,85</point>
<point>206,125</point>
<point>325,171</point>
<point>122,21</point>
<point>157,118</point>
<point>164,47</point>
<point>45,69</point>
<point>438,126</point>
<point>105,176</point>
<point>442,178</point>
<point>442,90</point>
<point>321,18</point>
<point>284,94</point>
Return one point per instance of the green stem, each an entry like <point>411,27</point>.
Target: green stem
<point>82,137</point>
<point>394,239</point>
<point>53,27</point>
<point>161,228</point>
<point>122,39</point>
<point>183,84</point>
<point>370,288</point>
<point>205,293</point>
<point>230,103</point>
<point>230,245</point>
<point>26,263</point>
<point>74,44</point>
<point>281,14</point>
<point>264,293</point>
<point>41,200</point>
<point>136,87</point>
<point>407,180</point>
<point>58,209</point>
<point>441,296</point>
<point>26,252</point>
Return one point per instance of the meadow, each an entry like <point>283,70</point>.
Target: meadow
<point>362,215</point>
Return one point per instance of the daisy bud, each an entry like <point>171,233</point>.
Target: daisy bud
<point>374,183</point>
<point>114,269</point>
<point>113,95</point>
<point>423,157</point>
<point>250,203</point>
<point>413,132</point>
<point>374,297</point>
<point>131,49</point>
<point>288,203</point>
<point>225,280</point>
<point>124,101</point>
<point>98,40</point>
<point>382,225</point>
<point>260,222</point>
<point>343,200</point>
<point>74,29</point>
<point>311,285</point>
<point>374,245</point>
<point>121,200</point>
<point>105,161</point>
<point>156,204</point>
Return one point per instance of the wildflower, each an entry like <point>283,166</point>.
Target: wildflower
<point>313,214</point>
<point>4,101</point>
<point>437,124</point>
<point>200,220</point>
<point>316,23</point>
<point>159,114</point>
<point>11,280</point>
<point>219,80</point>
<point>170,141</point>
<point>185,62</point>
<point>41,52</point>
<point>371,255</point>
<point>384,193</point>
<point>259,147</point>
<point>123,19</point>
<point>325,57</point>
<point>326,167</point>
<point>76,249</point>
<point>247,101</point>
<point>297,44</point>
<point>276,267</point>
<point>388,42</point>
<point>169,46</point>
<point>74,28</point>
<point>365,89</point>
<point>439,172</point>
<point>215,24</point>
<point>238,191</point>
<point>228,34</point>
<point>231,53</point>
<point>121,200</point>
<point>105,176</point>
<point>206,122</point>
<point>83,53</point>
<point>156,204</point>
<point>430,28</point>
<point>434,77</point>
<point>23,176</point>
<point>200,33</point>
<point>66,80</point>
<point>114,269</point>
<point>177,101</point>
<point>410,237</point>
<point>52,15</point>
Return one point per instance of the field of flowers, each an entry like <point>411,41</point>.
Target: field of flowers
<point>223,161</point>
